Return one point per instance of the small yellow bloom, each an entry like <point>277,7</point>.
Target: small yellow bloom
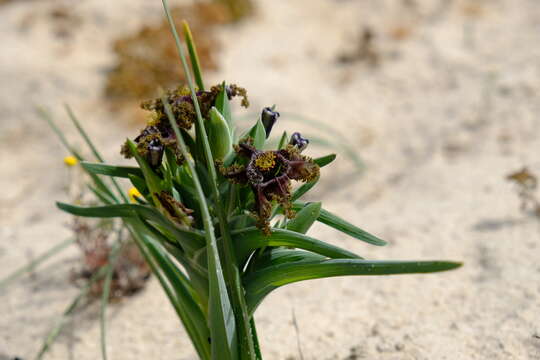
<point>133,192</point>
<point>70,161</point>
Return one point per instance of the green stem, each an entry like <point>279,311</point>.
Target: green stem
<point>230,264</point>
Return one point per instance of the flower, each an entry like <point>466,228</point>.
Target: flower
<point>133,193</point>
<point>71,161</point>
<point>269,174</point>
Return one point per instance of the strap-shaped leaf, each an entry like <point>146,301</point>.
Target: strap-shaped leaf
<point>260,283</point>
<point>176,286</point>
<point>194,59</point>
<point>111,170</point>
<point>324,160</point>
<point>305,218</point>
<point>193,239</point>
<point>279,255</point>
<point>328,218</point>
<point>249,239</point>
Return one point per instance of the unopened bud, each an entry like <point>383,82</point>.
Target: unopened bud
<point>269,118</point>
<point>298,141</point>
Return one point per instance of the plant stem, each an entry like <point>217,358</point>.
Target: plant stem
<point>230,264</point>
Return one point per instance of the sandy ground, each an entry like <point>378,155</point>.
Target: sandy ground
<point>451,109</point>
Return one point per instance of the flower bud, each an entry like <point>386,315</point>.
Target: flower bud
<point>155,153</point>
<point>298,141</point>
<point>269,118</point>
<point>219,135</point>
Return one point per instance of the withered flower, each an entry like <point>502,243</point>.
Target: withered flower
<point>158,134</point>
<point>175,210</point>
<point>269,174</point>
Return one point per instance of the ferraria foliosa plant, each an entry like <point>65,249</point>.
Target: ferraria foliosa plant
<point>218,217</point>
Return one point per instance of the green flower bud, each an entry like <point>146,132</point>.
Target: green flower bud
<point>219,135</point>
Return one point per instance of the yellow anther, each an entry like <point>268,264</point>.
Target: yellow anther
<point>266,161</point>
<point>70,161</point>
<point>133,193</point>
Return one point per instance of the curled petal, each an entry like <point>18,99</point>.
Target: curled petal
<point>303,170</point>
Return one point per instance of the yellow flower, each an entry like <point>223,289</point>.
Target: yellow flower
<point>70,161</point>
<point>133,193</point>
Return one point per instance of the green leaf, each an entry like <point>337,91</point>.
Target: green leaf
<point>250,239</point>
<point>260,283</point>
<point>194,59</point>
<point>193,239</point>
<point>334,221</point>
<point>279,255</point>
<point>175,285</point>
<point>97,181</point>
<point>152,180</point>
<point>90,144</point>
<point>103,197</point>
<point>224,106</point>
<point>222,323</point>
<point>111,170</point>
<point>283,141</point>
<point>305,218</point>
<point>258,134</point>
<point>219,135</point>
<point>324,160</point>
<point>140,185</point>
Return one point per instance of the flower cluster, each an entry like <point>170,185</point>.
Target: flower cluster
<point>158,134</point>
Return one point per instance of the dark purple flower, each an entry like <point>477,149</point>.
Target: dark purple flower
<point>269,174</point>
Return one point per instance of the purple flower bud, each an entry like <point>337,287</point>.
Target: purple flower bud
<point>298,141</point>
<point>269,118</point>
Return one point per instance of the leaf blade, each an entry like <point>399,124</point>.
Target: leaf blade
<point>261,283</point>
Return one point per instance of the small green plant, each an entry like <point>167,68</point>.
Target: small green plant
<point>216,216</point>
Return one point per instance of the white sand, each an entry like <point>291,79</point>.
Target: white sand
<point>450,111</point>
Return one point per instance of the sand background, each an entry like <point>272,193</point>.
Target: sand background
<point>452,108</point>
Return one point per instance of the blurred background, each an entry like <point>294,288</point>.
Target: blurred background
<point>432,106</point>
